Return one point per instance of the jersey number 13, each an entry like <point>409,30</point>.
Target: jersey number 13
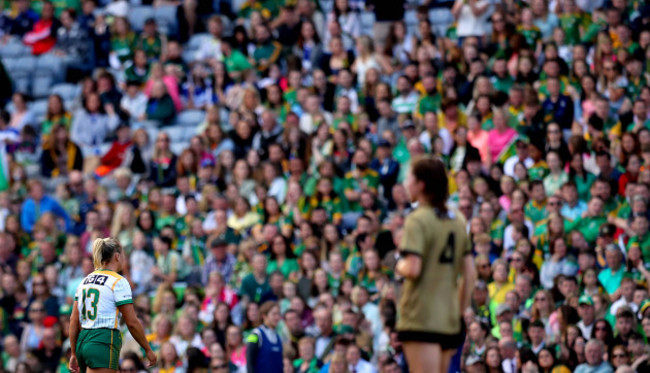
<point>90,298</point>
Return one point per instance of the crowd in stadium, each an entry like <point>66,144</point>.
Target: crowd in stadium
<point>246,152</point>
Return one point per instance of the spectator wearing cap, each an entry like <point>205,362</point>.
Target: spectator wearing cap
<point>587,315</point>
<point>219,260</point>
<point>612,276</point>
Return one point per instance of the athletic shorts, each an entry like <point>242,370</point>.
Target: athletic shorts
<point>99,348</point>
<point>446,341</point>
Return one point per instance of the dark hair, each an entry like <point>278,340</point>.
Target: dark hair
<point>130,355</point>
<point>196,360</point>
<point>288,251</point>
<point>431,172</point>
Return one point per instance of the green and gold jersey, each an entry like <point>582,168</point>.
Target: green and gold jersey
<point>98,298</point>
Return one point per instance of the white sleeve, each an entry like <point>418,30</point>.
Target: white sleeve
<point>122,292</point>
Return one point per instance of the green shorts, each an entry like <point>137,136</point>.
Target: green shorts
<point>99,348</point>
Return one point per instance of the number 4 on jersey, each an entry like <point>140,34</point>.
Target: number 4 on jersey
<point>447,255</point>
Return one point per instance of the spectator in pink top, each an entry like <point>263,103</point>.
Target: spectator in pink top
<point>500,136</point>
<point>170,80</point>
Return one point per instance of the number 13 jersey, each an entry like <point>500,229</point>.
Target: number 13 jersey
<point>98,297</point>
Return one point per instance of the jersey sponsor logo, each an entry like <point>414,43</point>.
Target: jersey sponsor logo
<point>96,279</point>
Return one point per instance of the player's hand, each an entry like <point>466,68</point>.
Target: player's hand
<point>151,356</point>
<point>74,366</point>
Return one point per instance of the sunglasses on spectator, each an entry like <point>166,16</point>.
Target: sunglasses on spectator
<point>554,203</point>
<point>616,356</point>
<point>540,299</point>
<point>129,369</point>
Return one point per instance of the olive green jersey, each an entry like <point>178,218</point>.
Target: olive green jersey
<point>430,303</point>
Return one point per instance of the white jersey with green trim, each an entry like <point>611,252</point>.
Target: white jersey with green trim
<point>98,297</point>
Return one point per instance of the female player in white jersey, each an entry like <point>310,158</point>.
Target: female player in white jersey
<point>100,299</point>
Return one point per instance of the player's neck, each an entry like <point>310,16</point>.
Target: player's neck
<point>107,267</point>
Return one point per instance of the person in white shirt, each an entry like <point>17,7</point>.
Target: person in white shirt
<point>587,315</point>
<point>627,297</point>
<point>433,130</point>
<point>471,17</point>
<point>356,363</point>
<point>134,102</point>
<point>211,49</point>
<point>521,146</point>
<point>407,99</point>
<point>308,123</point>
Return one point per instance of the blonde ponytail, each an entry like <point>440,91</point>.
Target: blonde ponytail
<point>103,250</point>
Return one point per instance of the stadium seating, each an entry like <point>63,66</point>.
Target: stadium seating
<point>165,17</point>
<point>190,118</point>
<point>139,14</point>
<point>67,91</point>
<point>14,49</point>
<point>179,133</point>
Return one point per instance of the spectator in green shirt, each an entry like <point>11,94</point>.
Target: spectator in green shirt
<point>536,208</point>
<point>256,284</point>
<point>612,276</point>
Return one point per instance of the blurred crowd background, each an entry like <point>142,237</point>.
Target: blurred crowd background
<point>244,151</point>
